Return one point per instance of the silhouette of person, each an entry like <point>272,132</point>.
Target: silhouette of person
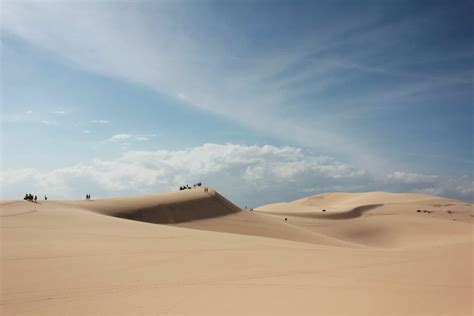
<point>36,199</point>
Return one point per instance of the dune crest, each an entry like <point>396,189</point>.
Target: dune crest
<point>165,208</point>
<point>376,255</point>
<point>380,219</point>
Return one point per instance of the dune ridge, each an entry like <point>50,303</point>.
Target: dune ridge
<point>369,254</point>
<point>355,212</point>
<point>165,208</point>
<point>330,219</point>
<point>380,219</point>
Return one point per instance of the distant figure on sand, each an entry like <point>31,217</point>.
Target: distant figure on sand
<point>45,198</point>
<point>36,199</point>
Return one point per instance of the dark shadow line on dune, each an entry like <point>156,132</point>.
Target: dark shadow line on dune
<point>175,213</point>
<point>169,216</point>
<point>353,213</point>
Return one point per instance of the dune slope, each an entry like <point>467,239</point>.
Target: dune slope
<point>73,258</point>
<point>380,219</point>
<point>164,208</point>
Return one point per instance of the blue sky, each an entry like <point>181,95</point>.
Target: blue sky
<point>265,101</point>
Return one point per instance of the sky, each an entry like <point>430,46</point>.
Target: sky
<point>266,101</point>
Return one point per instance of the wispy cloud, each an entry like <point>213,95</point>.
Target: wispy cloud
<point>234,83</point>
<point>45,122</point>
<point>298,91</point>
<point>25,116</point>
<point>58,112</point>
<point>131,137</point>
<point>411,177</point>
<point>99,121</point>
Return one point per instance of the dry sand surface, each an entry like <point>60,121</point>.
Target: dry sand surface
<point>194,252</point>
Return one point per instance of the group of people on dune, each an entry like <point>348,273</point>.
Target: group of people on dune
<point>33,198</point>
<point>186,187</point>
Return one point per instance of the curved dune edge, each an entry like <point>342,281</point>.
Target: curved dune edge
<point>79,257</point>
<point>59,258</point>
<point>342,205</point>
<point>349,220</point>
<point>205,210</point>
<point>352,213</point>
<point>353,220</point>
<point>380,219</point>
<point>165,208</point>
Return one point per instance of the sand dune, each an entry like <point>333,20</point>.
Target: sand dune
<point>165,208</point>
<point>352,212</point>
<point>380,219</point>
<point>369,253</point>
<point>351,205</point>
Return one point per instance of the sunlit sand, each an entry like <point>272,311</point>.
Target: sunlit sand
<point>195,252</point>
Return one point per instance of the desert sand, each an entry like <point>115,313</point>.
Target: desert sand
<point>195,252</point>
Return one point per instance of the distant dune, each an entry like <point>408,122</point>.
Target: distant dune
<point>379,218</point>
<point>371,253</point>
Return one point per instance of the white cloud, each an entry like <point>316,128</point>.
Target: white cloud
<point>131,137</point>
<point>45,122</point>
<point>249,175</point>
<point>120,137</point>
<point>251,87</point>
<point>58,112</point>
<point>99,121</point>
<point>261,85</point>
<point>13,176</point>
<point>409,177</point>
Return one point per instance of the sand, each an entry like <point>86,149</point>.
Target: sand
<point>194,252</point>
